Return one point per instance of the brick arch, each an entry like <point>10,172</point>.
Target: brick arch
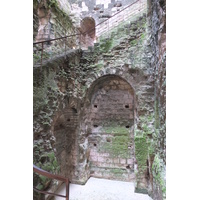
<point>109,72</point>
<point>109,124</point>
<point>64,130</point>
<point>105,77</point>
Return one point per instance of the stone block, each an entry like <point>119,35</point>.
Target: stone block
<point>94,158</point>
<point>109,160</point>
<point>101,159</point>
<point>130,161</point>
<point>122,161</point>
<point>106,155</point>
<point>116,160</point>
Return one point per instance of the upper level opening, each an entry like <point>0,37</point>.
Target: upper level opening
<point>88,31</point>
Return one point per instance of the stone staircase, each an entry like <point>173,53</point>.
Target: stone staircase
<point>123,16</point>
<point>112,28</point>
<point>119,38</point>
<point>115,23</point>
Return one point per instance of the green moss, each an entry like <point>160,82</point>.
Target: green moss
<point>133,43</point>
<point>141,190</point>
<point>114,129</point>
<point>117,172</point>
<point>159,173</point>
<point>44,88</point>
<point>141,152</point>
<point>118,145</point>
<point>106,46</point>
<point>157,119</point>
<point>142,36</point>
<point>62,16</point>
<point>40,186</point>
<point>44,179</point>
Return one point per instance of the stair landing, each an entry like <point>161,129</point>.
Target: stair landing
<point>102,189</point>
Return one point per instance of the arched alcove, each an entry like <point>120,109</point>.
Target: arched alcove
<point>88,31</point>
<point>64,131</point>
<point>110,129</point>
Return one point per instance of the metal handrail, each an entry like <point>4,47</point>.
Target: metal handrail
<point>80,32</point>
<point>87,31</point>
<point>52,176</point>
<point>113,15</point>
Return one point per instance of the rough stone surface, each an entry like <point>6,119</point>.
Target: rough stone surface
<point>100,111</point>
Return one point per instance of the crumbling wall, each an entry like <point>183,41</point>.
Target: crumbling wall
<point>157,40</point>
<point>55,121</point>
<point>123,52</point>
<point>95,110</point>
<point>53,21</point>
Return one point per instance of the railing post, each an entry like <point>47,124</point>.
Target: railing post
<point>67,189</point>
<point>42,52</point>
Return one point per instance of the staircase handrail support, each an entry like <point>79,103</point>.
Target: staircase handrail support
<point>52,176</point>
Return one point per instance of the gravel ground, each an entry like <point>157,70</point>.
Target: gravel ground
<point>102,189</point>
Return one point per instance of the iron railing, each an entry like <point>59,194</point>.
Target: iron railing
<point>44,50</point>
<point>52,176</point>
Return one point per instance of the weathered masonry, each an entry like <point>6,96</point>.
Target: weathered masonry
<point>99,95</point>
<point>110,125</point>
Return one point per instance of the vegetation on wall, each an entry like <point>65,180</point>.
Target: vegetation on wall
<point>158,169</point>
<point>53,5</point>
<point>77,78</point>
<point>119,139</point>
<point>44,91</point>
<point>47,162</point>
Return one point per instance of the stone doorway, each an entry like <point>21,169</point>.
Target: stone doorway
<point>111,138</point>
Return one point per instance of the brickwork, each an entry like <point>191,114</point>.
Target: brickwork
<point>110,135</point>
<point>111,140</point>
<point>65,134</point>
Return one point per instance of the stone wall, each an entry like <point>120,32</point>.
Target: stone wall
<point>157,39</point>
<point>73,77</point>
<point>125,53</point>
<point>99,10</point>
<point>53,21</point>
<point>111,116</point>
<point>55,121</point>
<point>96,111</point>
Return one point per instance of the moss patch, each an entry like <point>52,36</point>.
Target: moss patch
<point>106,45</point>
<point>158,169</point>
<point>141,152</point>
<point>119,138</point>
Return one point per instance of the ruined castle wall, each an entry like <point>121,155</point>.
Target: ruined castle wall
<point>157,39</point>
<point>52,20</point>
<point>94,110</point>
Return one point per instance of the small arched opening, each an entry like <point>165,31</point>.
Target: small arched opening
<point>87,30</point>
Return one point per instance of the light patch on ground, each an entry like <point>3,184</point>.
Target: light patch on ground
<point>102,189</point>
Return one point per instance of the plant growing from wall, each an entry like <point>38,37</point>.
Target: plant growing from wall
<point>158,169</point>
